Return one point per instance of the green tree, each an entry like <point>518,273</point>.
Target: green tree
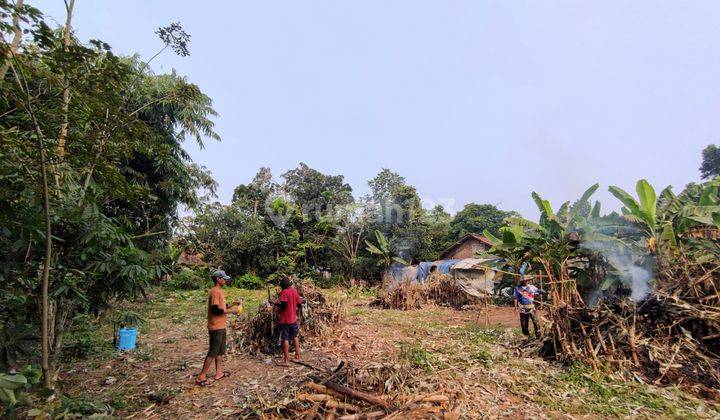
<point>710,166</point>
<point>476,218</point>
<point>383,185</point>
<point>91,174</point>
<point>252,197</point>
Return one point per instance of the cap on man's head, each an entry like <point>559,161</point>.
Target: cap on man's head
<point>219,274</point>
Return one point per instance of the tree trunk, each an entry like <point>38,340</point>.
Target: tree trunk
<point>17,37</point>
<point>62,135</point>
<point>47,378</point>
<point>22,83</point>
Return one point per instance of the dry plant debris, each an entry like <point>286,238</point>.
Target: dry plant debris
<point>671,337</point>
<point>260,332</point>
<point>440,289</point>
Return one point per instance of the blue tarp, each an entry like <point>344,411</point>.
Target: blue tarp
<point>420,272</point>
<point>445,265</point>
<point>423,270</point>
<point>401,273</point>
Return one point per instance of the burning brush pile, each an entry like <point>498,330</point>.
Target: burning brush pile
<point>672,336</point>
<point>440,289</point>
<point>260,333</point>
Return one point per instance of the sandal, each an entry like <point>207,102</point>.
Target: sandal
<point>226,374</point>
<point>201,383</point>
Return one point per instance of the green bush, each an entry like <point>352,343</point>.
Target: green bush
<point>249,281</point>
<point>332,281</point>
<point>188,279</point>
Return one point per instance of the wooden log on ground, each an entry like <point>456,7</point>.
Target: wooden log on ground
<point>358,395</point>
<point>322,389</point>
<point>342,406</point>
<point>364,416</point>
<point>436,398</point>
<point>313,397</point>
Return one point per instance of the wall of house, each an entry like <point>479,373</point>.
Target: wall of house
<point>467,250</point>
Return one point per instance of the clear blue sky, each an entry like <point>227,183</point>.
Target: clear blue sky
<point>480,101</point>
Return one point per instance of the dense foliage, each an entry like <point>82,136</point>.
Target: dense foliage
<point>614,254</point>
<point>309,224</point>
<point>92,171</point>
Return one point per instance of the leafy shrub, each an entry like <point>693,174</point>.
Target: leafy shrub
<point>249,281</point>
<point>16,341</point>
<point>85,338</point>
<point>188,279</point>
<point>329,283</point>
<point>11,387</point>
<point>129,319</point>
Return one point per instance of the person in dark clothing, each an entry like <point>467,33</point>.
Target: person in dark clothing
<point>217,323</point>
<point>288,302</point>
<point>524,296</point>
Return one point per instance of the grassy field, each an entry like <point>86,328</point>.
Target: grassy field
<point>445,349</point>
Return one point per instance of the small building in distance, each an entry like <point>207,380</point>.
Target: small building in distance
<point>467,247</point>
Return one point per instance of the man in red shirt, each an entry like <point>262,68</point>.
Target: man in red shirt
<point>288,303</point>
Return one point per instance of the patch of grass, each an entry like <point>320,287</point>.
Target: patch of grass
<point>414,355</point>
<point>588,392</point>
<point>84,406</point>
<point>145,354</point>
<point>87,338</point>
<point>483,356</point>
<point>163,395</point>
<point>489,335</point>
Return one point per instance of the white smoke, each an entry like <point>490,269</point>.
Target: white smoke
<point>627,264</point>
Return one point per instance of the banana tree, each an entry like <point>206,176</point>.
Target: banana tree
<point>382,250</point>
<point>667,217</point>
<point>552,243</point>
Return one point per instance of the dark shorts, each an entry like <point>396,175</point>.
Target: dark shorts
<point>217,343</point>
<point>288,331</point>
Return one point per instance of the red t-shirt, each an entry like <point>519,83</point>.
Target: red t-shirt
<point>292,299</point>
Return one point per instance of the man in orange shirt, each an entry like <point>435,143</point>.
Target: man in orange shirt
<point>216,323</point>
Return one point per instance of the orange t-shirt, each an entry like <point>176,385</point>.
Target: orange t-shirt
<point>216,322</point>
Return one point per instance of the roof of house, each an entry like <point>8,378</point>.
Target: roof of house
<point>473,264</point>
<point>186,258</point>
<point>465,238</point>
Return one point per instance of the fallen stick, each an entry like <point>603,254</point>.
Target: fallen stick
<point>312,413</point>
<point>322,389</point>
<point>342,406</point>
<point>436,398</point>
<point>313,397</point>
<point>358,395</point>
<point>365,416</point>
<point>330,415</point>
<point>300,362</point>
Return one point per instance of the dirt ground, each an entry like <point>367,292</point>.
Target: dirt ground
<point>468,354</point>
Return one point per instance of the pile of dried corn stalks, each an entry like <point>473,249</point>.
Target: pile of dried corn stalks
<point>671,337</point>
<point>260,332</point>
<point>350,393</point>
<point>440,289</point>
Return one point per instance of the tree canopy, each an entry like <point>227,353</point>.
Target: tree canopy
<point>710,166</point>
<point>92,171</point>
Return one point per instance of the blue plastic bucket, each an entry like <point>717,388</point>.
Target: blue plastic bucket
<point>127,338</point>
